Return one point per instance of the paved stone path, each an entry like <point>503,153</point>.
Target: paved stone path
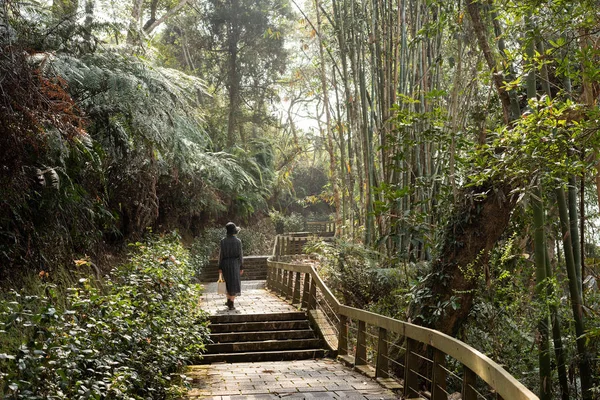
<point>303,379</point>
<point>255,299</point>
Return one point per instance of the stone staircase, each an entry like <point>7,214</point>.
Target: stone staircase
<point>262,337</point>
<point>255,268</point>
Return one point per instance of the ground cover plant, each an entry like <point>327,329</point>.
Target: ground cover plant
<point>127,336</point>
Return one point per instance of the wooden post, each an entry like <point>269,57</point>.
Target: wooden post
<point>292,247</point>
<point>411,381</point>
<point>438,384</point>
<point>277,247</point>
<point>296,296</point>
<point>279,280</point>
<point>284,245</point>
<point>381,371</point>
<point>269,276</point>
<point>360,357</point>
<point>468,391</point>
<point>305,291</point>
<point>289,286</point>
<point>284,276</point>
<point>312,297</point>
<point>343,336</point>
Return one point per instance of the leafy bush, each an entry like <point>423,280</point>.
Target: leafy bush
<point>257,240</point>
<point>126,340</point>
<point>287,223</point>
<point>361,277</point>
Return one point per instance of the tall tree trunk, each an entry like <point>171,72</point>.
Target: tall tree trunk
<point>233,78</point>
<point>330,140</point>
<point>154,23</point>
<point>133,31</point>
<point>367,147</point>
<point>476,225</point>
<point>574,228</point>
<point>89,19</point>
<point>545,368</point>
<point>473,9</point>
<point>583,355</point>
<point>561,362</point>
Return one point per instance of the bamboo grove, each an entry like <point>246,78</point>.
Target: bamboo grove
<point>445,121</point>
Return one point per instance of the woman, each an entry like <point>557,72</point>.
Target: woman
<point>231,263</point>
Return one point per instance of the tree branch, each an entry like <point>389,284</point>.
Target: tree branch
<point>498,78</point>
<point>166,16</point>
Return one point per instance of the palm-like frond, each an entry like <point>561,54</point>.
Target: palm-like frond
<point>131,97</point>
<point>225,171</point>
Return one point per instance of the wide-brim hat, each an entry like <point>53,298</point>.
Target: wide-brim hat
<point>231,228</point>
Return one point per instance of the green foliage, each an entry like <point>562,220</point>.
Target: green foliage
<point>544,143</point>
<point>238,47</point>
<point>286,223</point>
<point>127,339</point>
<point>257,240</point>
<point>362,277</point>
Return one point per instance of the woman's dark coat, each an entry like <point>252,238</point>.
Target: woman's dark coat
<point>231,261</point>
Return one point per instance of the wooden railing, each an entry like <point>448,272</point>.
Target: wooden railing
<point>293,243</point>
<point>325,228</point>
<point>386,348</point>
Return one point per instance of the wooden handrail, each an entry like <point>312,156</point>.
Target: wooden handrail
<point>474,362</point>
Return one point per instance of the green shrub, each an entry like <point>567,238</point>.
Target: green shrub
<point>257,240</point>
<point>361,277</point>
<point>287,223</point>
<point>129,339</point>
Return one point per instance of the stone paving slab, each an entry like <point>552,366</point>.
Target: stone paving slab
<point>255,299</point>
<point>303,379</point>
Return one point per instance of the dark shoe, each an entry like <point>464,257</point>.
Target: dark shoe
<point>231,306</point>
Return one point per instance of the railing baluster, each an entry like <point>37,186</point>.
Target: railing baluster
<point>468,391</point>
<point>411,380</point>
<point>284,279</point>
<point>277,248</point>
<point>438,389</point>
<point>305,291</point>
<point>312,297</point>
<point>361,344</point>
<point>296,296</point>
<point>289,287</point>
<point>280,273</point>
<point>343,336</point>
<point>269,277</point>
<point>382,369</point>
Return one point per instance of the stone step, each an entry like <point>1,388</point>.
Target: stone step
<point>259,326</point>
<point>246,277</point>
<point>264,345</point>
<point>236,318</point>
<point>279,355</point>
<point>262,335</point>
<point>212,270</point>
